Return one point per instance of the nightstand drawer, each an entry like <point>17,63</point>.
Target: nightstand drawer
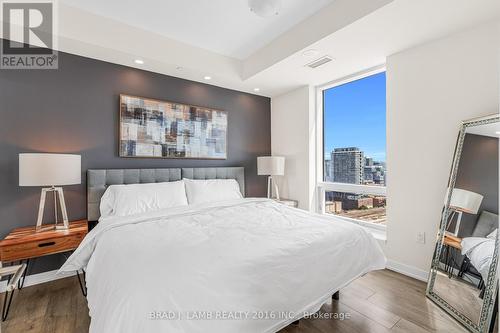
<point>40,248</point>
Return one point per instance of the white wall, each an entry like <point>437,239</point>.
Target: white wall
<point>292,136</point>
<point>430,90</point>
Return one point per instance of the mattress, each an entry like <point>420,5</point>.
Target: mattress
<point>246,265</point>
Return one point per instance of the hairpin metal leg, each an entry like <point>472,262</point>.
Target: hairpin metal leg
<point>7,301</point>
<point>463,268</point>
<point>448,263</point>
<point>14,272</point>
<point>20,283</point>
<point>7,298</point>
<point>82,282</point>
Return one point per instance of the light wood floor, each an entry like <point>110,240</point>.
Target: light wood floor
<point>381,301</point>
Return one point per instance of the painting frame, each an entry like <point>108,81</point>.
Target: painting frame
<point>122,153</point>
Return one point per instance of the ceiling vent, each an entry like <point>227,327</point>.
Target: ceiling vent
<point>319,62</point>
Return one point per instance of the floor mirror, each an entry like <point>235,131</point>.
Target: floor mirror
<point>463,276</point>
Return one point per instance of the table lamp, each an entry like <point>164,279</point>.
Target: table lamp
<point>271,166</point>
<point>463,201</point>
<point>38,169</point>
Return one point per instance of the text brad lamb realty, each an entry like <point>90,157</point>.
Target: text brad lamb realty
<point>242,315</point>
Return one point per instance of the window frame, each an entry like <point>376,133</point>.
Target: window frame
<point>321,185</point>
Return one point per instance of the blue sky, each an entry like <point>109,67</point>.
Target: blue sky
<point>355,116</point>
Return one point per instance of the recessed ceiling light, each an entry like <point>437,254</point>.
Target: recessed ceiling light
<point>208,77</point>
<point>310,53</point>
<point>179,68</point>
<point>139,61</point>
<point>497,132</point>
<point>256,89</point>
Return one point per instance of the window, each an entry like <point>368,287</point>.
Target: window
<point>354,153</point>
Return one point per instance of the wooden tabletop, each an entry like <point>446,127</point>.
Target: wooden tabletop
<point>29,234</point>
<point>26,243</point>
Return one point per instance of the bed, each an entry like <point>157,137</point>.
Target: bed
<point>479,250</point>
<point>479,247</point>
<point>240,265</point>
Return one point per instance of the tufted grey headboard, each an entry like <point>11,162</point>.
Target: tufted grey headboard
<point>99,179</point>
<point>237,173</point>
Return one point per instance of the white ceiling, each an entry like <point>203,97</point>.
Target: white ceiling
<point>227,27</point>
<point>359,34</point>
<point>367,42</point>
<point>492,130</point>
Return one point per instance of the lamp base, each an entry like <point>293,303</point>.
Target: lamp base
<point>58,192</point>
<point>270,182</point>
<point>457,223</point>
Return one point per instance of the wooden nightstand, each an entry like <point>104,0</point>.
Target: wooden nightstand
<point>451,243</point>
<point>288,202</point>
<point>25,244</point>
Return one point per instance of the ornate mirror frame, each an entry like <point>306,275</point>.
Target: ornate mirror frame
<point>492,282</point>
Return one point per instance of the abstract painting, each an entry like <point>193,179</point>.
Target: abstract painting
<point>153,128</point>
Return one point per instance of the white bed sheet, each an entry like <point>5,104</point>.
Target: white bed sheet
<point>480,252</point>
<point>234,261</point>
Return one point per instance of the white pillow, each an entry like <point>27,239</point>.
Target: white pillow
<point>211,190</point>
<point>123,200</point>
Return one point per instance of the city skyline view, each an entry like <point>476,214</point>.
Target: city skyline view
<point>355,116</point>
<point>354,139</point>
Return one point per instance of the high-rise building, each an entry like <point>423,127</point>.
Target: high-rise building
<point>368,174</point>
<point>348,165</point>
<point>328,171</point>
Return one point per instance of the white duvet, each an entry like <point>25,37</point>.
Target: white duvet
<point>247,265</point>
<point>480,252</point>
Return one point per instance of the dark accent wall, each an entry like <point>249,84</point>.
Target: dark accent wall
<point>478,172</point>
<point>75,110</point>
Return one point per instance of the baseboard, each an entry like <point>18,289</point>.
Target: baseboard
<point>407,270</point>
<point>34,279</point>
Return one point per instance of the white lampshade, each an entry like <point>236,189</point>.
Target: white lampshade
<point>271,165</point>
<point>465,201</point>
<point>49,169</point>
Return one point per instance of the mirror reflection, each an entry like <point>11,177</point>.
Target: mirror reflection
<point>470,222</point>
